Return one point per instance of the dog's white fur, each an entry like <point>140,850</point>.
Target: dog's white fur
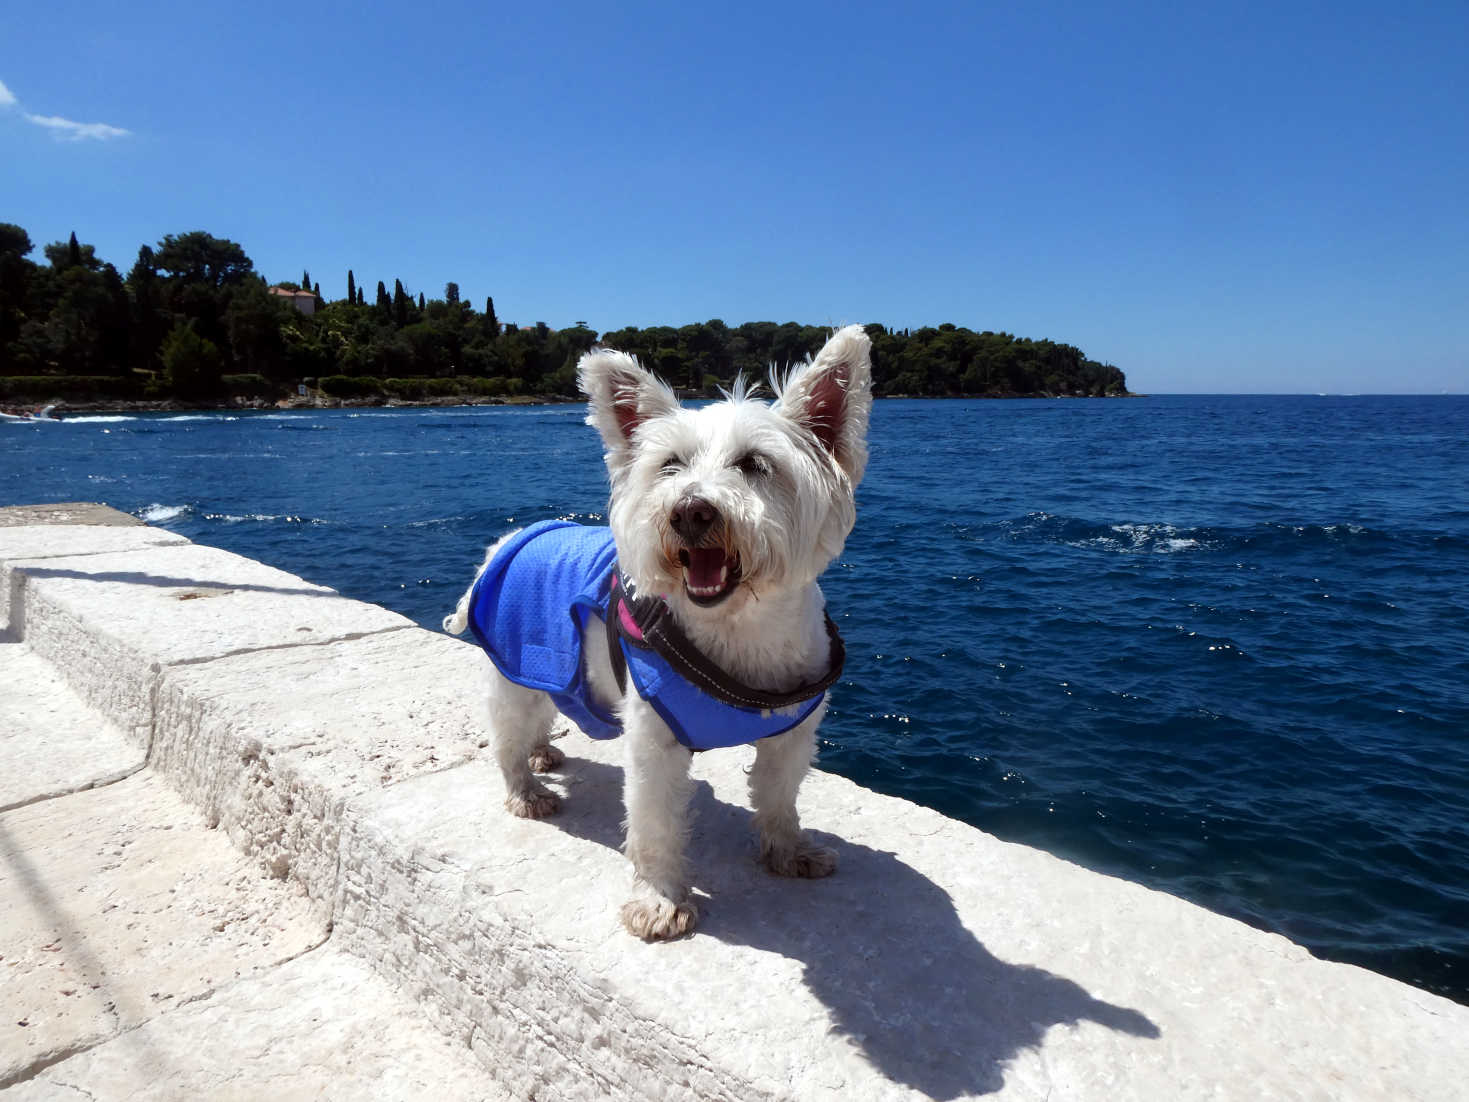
<point>782,478</point>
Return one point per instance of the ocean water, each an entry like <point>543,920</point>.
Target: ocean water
<point>1216,645</point>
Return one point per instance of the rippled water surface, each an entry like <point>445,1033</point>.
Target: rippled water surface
<point>1219,646</point>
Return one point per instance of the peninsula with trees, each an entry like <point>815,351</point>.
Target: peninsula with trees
<point>192,322</point>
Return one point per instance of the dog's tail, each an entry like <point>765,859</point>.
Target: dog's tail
<point>455,623</point>
<point>458,620</point>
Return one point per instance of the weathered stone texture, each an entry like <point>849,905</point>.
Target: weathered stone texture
<point>321,1027</point>
<point>116,904</point>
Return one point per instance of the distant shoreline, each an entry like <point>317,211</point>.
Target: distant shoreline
<point>173,405</point>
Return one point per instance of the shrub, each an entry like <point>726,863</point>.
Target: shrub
<point>350,386</point>
<point>76,387</point>
<point>248,386</point>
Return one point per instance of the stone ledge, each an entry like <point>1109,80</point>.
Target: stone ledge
<point>66,512</point>
<point>273,744</point>
<point>939,962</point>
<point>39,541</point>
<point>110,621</point>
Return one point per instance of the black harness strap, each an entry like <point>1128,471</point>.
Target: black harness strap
<point>666,639</point>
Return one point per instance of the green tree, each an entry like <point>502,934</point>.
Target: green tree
<point>15,280</point>
<point>68,254</point>
<point>147,324</point>
<point>400,304</point>
<point>192,365</point>
<point>351,287</point>
<point>198,257</point>
<point>255,321</point>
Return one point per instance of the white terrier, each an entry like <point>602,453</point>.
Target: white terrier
<point>696,621</point>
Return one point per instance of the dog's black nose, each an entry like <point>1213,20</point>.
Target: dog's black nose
<point>692,517</point>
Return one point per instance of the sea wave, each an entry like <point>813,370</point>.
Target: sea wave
<point>1122,538</point>
<point>162,514</point>
<point>261,518</point>
<point>1162,538</point>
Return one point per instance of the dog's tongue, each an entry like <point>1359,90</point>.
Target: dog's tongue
<point>706,568</point>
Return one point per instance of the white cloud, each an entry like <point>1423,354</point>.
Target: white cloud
<point>70,131</point>
<point>64,129</point>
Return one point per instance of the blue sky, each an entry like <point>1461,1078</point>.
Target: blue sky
<point>1216,198</point>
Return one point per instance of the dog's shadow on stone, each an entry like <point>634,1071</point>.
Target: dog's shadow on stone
<point>882,947</point>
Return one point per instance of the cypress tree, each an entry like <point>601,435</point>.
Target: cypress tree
<point>451,293</point>
<point>305,280</point>
<point>360,297</point>
<point>492,323</point>
<point>73,251</point>
<point>384,303</point>
<point>400,304</point>
<point>420,302</point>
<point>351,288</point>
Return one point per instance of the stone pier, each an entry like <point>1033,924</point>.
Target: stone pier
<point>251,845</point>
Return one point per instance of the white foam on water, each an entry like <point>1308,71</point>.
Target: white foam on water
<point>161,514</point>
<point>1156,539</point>
<point>96,419</point>
<point>235,518</point>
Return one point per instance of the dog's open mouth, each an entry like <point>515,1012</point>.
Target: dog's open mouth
<point>709,575</point>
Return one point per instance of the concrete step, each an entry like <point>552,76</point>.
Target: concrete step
<point>345,762</point>
<point>322,1026</point>
<point>144,956</point>
<point>53,742</point>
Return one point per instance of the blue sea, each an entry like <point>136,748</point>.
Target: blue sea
<point>1215,645</point>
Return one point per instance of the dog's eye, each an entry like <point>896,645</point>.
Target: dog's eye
<point>753,465</point>
<point>672,465</point>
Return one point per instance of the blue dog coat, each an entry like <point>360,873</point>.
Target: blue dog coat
<point>530,608</point>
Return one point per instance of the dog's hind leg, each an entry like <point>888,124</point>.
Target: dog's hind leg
<point>781,763</point>
<point>520,722</point>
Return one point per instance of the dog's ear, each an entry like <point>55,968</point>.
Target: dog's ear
<point>621,395</point>
<point>831,397</point>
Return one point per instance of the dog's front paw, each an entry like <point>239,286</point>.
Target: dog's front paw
<point>543,759</point>
<point>806,860</point>
<point>658,919</point>
<point>534,804</point>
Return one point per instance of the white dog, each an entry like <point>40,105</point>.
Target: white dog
<point>708,630</point>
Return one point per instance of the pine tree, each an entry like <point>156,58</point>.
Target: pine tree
<point>451,293</point>
<point>351,288</point>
